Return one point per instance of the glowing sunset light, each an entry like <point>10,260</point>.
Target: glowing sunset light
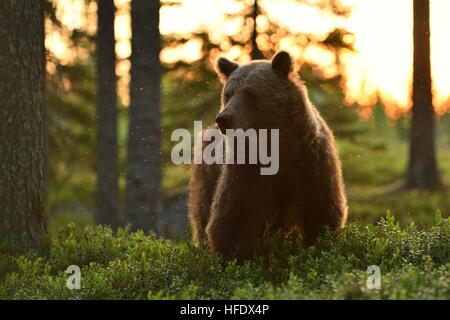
<point>381,65</point>
<point>383,60</point>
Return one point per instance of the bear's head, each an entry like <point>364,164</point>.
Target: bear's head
<point>262,94</point>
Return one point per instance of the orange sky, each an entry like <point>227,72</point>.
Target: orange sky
<point>382,63</point>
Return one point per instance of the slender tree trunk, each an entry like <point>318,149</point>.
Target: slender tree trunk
<point>143,161</point>
<point>255,53</point>
<point>423,172</point>
<point>23,149</point>
<point>107,156</point>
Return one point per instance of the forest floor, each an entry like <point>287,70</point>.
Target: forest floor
<point>405,234</point>
<point>411,264</point>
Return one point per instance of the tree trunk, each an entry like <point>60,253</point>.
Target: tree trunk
<point>107,157</point>
<point>423,172</point>
<point>255,53</point>
<point>143,161</point>
<point>23,149</point>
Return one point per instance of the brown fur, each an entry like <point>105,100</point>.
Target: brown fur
<point>231,204</point>
<point>202,187</point>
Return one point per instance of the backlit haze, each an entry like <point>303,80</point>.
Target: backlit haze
<point>381,65</point>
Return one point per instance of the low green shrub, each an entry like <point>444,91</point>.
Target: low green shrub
<point>414,264</point>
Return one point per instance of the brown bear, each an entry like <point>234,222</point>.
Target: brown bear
<point>231,205</point>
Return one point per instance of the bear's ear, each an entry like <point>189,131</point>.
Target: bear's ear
<point>225,67</point>
<point>282,63</point>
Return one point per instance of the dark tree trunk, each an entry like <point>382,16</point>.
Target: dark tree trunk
<point>23,148</point>
<point>143,161</point>
<point>107,157</point>
<point>255,53</point>
<point>423,172</point>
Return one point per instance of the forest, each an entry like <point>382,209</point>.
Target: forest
<point>92,205</point>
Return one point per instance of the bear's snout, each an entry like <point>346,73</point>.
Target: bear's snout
<point>224,121</point>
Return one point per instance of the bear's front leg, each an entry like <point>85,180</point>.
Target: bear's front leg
<point>201,190</point>
<point>204,178</point>
<point>327,203</point>
<point>238,213</point>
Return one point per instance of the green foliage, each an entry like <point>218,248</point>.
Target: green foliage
<point>415,264</point>
<point>189,94</point>
<point>71,101</point>
<point>374,164</point>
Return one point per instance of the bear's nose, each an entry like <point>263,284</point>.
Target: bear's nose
<point>224,122</point>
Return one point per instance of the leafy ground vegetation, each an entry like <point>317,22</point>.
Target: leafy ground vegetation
<point>375,163</point>
<point>411,244</point>
<point>414,264</point>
